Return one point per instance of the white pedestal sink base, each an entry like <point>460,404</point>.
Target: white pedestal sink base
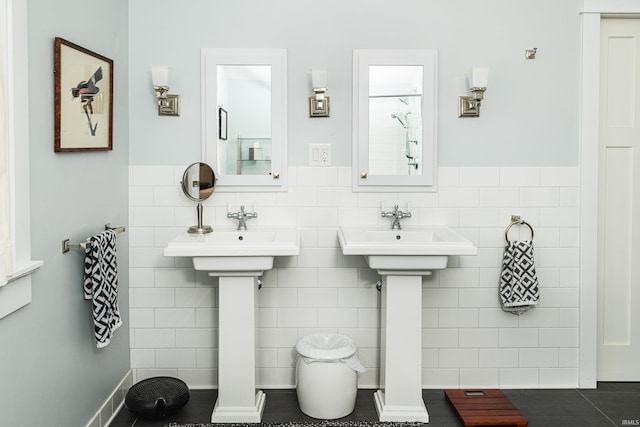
<point>400,396</point>
<point>402,257</point>
<point>252,414</point>
<point>238,399</point>
<point>238,258</point>
<point>401,413</point>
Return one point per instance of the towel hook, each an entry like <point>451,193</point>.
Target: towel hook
<point>517,220</point>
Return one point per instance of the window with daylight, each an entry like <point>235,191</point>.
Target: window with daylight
<point>15,250</point>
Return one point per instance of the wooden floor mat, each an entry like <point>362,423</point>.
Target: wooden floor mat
<point>485,407</point>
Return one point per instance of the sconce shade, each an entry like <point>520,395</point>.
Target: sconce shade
<point>319,78</point>
<point>160,75</point>
<point>479,77</point>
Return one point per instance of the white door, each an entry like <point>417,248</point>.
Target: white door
<point>619,202</point>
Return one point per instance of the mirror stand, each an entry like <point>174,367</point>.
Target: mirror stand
<point>200,229</point>
<point>198,182</point>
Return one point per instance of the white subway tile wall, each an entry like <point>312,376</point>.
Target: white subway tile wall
<point>468,341</point>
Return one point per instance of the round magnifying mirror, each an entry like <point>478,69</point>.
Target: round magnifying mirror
<point>198,182</point>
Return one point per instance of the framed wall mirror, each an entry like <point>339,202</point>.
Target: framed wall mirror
<point>244,118</point>
<point>394,120</point>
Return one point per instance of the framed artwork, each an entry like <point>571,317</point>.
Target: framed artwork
<point>83,99</point>
<point>222,124</point>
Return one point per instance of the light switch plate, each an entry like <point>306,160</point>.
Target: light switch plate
<point>319,154</point>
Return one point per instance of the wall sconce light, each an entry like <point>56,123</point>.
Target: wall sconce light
<point>168,104</point>
<point>319,104</point>
<point>469,106</point>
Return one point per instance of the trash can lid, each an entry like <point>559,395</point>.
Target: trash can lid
<point>326,346</point>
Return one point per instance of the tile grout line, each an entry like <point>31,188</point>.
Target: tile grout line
<point>594,405</point>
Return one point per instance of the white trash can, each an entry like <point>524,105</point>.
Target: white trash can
<point>327,375</point>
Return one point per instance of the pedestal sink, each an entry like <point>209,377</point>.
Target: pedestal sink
<point>402,257</point>
<point>238,258</point>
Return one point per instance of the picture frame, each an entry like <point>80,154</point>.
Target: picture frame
<point>222,124</point>
<point>83,99</point>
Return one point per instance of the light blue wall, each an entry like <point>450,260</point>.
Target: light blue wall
<point>50,370</point>
<point>529,115</point>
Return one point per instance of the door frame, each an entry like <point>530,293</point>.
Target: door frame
<point>591,14</point>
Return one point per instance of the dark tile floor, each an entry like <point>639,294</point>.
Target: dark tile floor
<point>611,404</point>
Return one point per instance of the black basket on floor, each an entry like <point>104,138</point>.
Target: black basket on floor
<point>157,397</point>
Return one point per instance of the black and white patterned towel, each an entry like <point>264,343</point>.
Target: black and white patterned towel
<point>518,281</point>
<point>101,285</point>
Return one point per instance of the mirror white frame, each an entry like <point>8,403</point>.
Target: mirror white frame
<point>362,179</point>
<point>277,59</point>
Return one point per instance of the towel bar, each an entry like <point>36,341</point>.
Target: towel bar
<point>67,245</point>
<point>516,220</point>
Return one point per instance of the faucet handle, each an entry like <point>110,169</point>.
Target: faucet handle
<point>253,214</point>
<point>405,213</point>
<point>382,208</point>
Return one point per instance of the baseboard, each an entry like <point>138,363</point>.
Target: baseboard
<point>113,403</point>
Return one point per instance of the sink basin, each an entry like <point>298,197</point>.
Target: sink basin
<point>414,248</point>
<point>414,240</point>
<point>230,250</point>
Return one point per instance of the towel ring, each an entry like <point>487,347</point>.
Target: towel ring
<point>520,222</point>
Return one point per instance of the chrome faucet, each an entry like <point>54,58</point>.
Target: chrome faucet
<point>242,217</point>
<point>397,215</point>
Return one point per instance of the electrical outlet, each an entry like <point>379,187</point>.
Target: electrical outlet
<point>319,154</point>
